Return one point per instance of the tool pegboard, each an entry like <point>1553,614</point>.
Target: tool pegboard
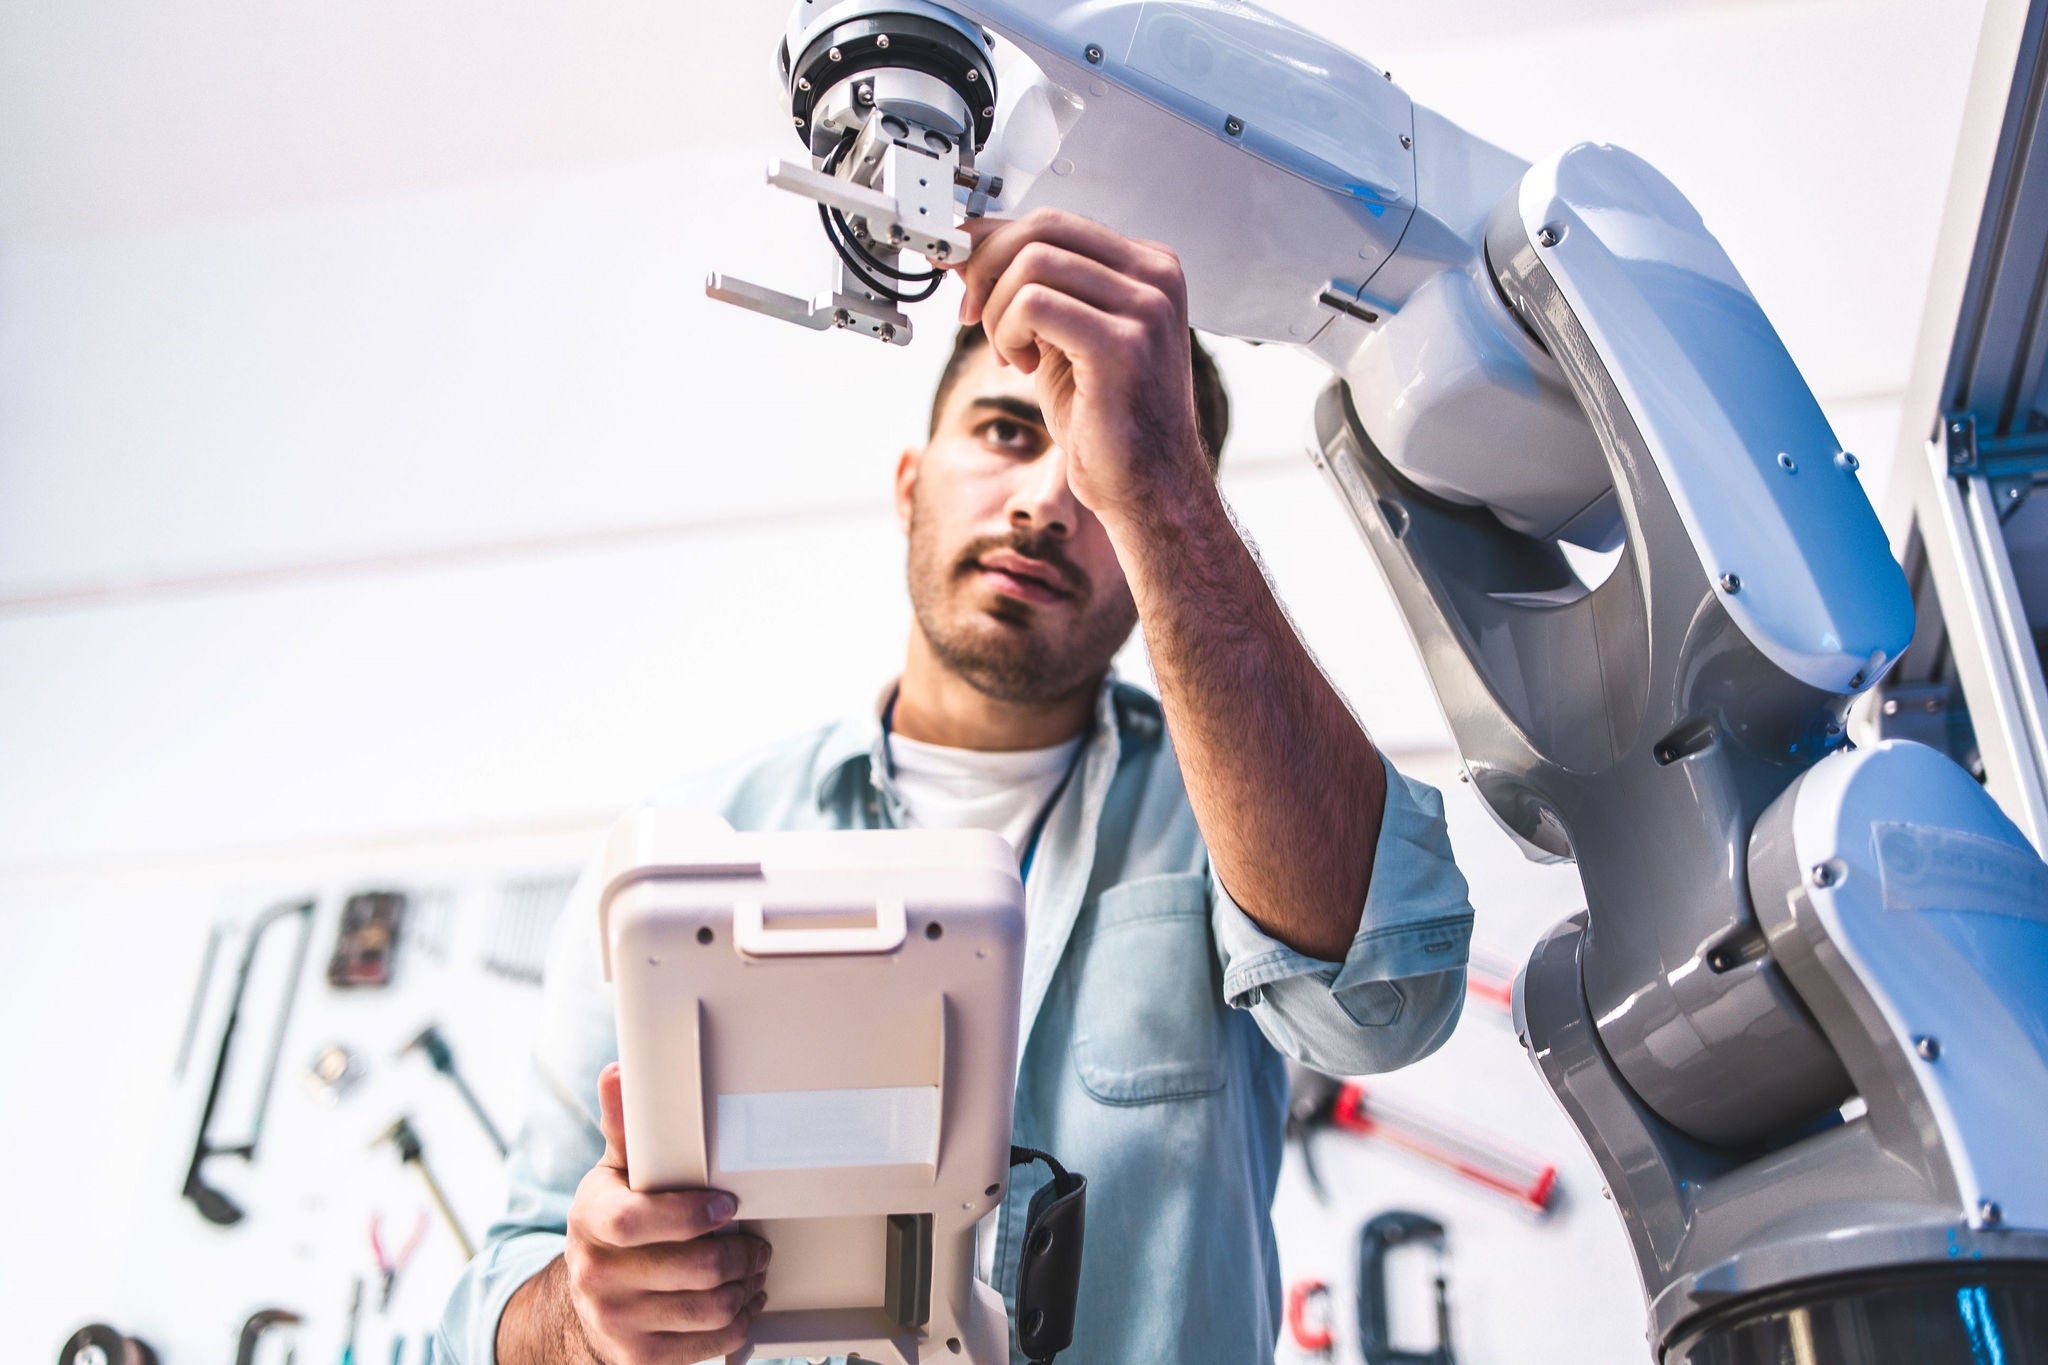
<point>334,1195</point>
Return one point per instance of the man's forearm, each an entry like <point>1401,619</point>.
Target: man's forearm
<point>1286,788</point>
<point>540,1326</point>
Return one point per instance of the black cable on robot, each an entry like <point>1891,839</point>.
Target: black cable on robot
<point>846,250</point>
<point>856,257</point>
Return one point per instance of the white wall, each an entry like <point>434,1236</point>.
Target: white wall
<point>381,500</point>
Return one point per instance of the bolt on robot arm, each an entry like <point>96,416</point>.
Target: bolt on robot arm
<point>1780,931</point>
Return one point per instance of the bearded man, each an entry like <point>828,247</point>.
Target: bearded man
<point>1214,879</point>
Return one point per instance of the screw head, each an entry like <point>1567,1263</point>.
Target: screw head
<point>888,333</point>
<point>1927,1046</point>
<point>1094,55</point>
<point>832,54</point>
<point>1823,874</point>
<point>1720,960</point>
<point>1856,679</point>
<point>866,94</point>
<point>1787,463</point>
<point>1848,461</point>
<point>1730,583</point>
<point>973,76</point>
<point>1406,141</point>
<point>988,111</point>
<point>803,83</point>
<point>882,40</point>
<point>1989,1214</point>
<point>1891,706</point>
<point>1234,126</point>
<point>1550,234</point>
<point>798,119</point>
<point>841,318</point>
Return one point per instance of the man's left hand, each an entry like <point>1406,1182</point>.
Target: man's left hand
<point>1102,322</point>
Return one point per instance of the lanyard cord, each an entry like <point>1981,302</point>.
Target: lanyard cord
<point>1038,824</point>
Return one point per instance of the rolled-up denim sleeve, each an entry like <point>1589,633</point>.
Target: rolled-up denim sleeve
<point>1396,995</point>
<point>558,1141</point>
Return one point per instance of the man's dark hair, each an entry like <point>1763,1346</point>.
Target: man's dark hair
<point>1212,404</point>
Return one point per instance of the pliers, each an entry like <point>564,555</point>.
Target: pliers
<point>389,1266</point>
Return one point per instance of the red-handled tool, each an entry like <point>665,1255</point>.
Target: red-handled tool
<point>1481,1159</point>
<point>1490,979</point>
<point>1308,1317</point>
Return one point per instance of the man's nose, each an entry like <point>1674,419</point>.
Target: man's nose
<point>1042,501</point>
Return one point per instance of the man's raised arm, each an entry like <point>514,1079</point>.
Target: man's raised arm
<point>1288,790</point>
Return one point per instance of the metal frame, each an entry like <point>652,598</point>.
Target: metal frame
<point>1975,437</point>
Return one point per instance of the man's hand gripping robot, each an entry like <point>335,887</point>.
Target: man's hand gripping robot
<point>1800,1022</point>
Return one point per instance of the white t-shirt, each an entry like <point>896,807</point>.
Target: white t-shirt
<point>1002,790</point>
<point>1005,791</point>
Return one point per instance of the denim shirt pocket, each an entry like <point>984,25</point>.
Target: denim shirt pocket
<point>1148,1002</point>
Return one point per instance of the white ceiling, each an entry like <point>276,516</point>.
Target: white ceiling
<point>120,115</point>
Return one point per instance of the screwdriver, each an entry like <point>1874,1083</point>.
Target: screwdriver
<point>355,1313</point>
<point>442,1058</point>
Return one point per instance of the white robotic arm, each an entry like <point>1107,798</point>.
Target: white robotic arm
<point>1526,355</point>
<point>1311,201</point>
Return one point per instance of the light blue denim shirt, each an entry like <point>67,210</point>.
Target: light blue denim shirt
<point>1155,1016</point>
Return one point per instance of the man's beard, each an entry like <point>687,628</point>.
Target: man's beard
<point>1022,659</point>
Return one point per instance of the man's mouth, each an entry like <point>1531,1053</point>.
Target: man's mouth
<point>1027,579</point>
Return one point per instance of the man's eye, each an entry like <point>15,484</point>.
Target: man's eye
<point>1008,434</point>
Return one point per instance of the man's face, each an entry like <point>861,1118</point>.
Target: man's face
<point>1013,582</point>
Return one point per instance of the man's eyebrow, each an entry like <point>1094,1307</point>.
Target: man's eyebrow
<point>1012,407</point>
